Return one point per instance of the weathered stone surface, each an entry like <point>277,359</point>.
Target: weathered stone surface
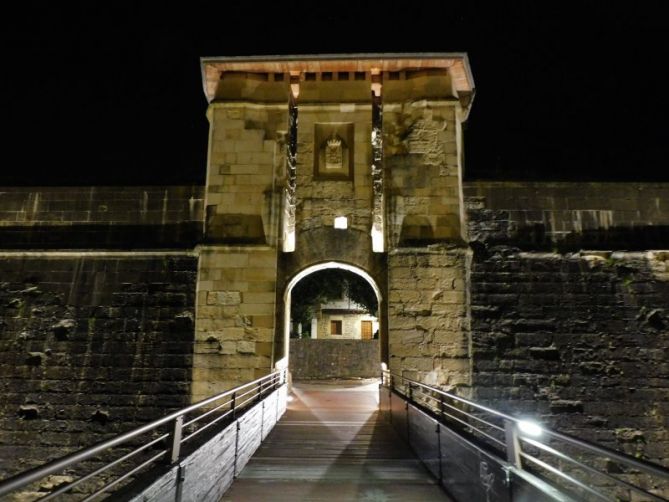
<point>320,199</point>
<point>421,154</point>
<point>224,298</point>
<point>63,328</point>
<point>569,216</point>
<point>583,341</point>
<point>95,346</point>
<point>427,312</point>
<point>234,318</point>
<point>94,217</point>
<point>317,359</point>
<point>245,173</point>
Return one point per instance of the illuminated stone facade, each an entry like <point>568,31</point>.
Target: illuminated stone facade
<point>548,298</point>
<point>298,142</point>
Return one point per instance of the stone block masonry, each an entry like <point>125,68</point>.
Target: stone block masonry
<point>245,173</point>
<point>235,317</point>
<point>569,216</point>
<point>321,199</point>
<point>100,217</point>
<point>422,155</point>
<point>577,338</point>
<point>317,359</point>
<point>427,312</point>
<point>90,346</point>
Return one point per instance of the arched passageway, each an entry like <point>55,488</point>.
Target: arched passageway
<point>342,342</point>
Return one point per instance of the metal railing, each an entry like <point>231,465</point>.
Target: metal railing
<point>574,463</point>
<point>180,430</point>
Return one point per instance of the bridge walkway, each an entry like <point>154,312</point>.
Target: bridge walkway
<point>331,445</point>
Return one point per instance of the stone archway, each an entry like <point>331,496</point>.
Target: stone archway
<point>350,248</point>
<point>282,335</point>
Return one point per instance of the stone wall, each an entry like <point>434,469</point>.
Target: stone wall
<point>577,338</point>
<point>237,273</point>
<point>422,159</point>
<point>235,317</point>
<point>322,359</point>
<point>427,309</point>
<point>245,172</point>
<point>569,216</point>
<point>100,217</point>
<point>427,312</point>
<point>90,346</point>
<point>321,199</point>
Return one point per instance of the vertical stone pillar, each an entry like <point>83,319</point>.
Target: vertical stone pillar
<point>314,328</point>
<point>428,328</point>
<point>427,261</point>
<point>237,274</point>
<point>235,317</point>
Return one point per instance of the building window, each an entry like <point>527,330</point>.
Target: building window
<point>335,327</point>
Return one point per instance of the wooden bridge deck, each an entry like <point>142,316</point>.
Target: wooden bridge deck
<point>331,445</point>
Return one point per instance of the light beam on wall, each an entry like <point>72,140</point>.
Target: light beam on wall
<point>377,240</point>
<point>341,222</point>
<point>290,190</point>
<point>378,209</point>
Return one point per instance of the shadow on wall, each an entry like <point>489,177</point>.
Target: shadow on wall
<point>234,228</point>
<point>101,235</point>
<point>418,230</point>
<point>630,238</point>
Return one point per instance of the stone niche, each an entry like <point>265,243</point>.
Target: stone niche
<point>333,151</point>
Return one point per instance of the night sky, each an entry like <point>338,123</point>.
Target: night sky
<point>112,94</point>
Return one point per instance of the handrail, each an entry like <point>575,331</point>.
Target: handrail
<point>513,437</point>
<point>257,387</point>
<point>457,398</point>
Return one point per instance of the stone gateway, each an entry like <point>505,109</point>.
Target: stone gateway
<point>119,303</point>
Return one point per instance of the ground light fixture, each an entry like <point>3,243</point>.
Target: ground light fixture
<point>529,428</point>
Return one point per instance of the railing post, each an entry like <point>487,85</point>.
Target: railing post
<point>259,391</point>
<point>406,407</point>
<point>512,444</point>
<point>233,405</point>
<point>441,470</point>
<point>441,405</point>
<point>175,440</point>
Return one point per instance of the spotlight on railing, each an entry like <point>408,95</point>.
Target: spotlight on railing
<point>529,428</point>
